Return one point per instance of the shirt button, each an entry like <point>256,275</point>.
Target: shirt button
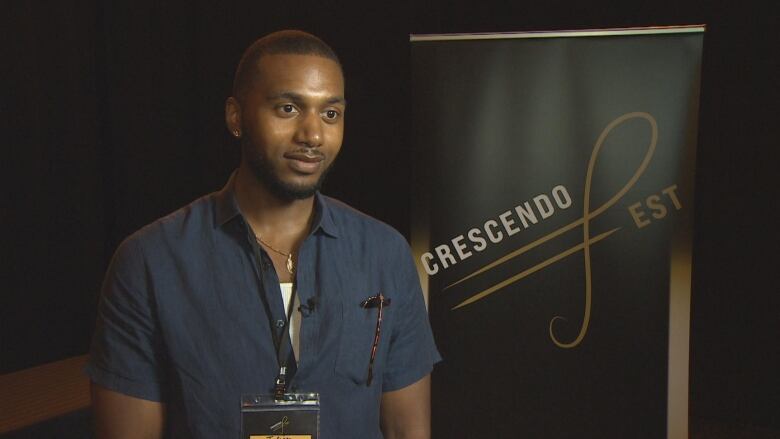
<point>280,323</point>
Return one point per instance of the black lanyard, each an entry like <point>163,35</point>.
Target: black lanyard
<point>280,384</point>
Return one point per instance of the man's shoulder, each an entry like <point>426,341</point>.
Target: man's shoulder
<point>156,247</point>
<point>177,227</point>
<point>352,223</point>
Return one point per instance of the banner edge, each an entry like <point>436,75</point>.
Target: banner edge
<point>653,30</point>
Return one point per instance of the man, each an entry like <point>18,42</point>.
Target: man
<point>195,306</point>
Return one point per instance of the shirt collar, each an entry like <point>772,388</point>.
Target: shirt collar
<point>226,208</point>
<point>323,216</point>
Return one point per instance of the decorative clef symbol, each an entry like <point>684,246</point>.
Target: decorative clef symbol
<point>278,428</point>
<point>587,214</point>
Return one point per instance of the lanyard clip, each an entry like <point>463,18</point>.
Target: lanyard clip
<point>280,388</point>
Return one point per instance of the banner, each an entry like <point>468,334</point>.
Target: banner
<point>552,227</point>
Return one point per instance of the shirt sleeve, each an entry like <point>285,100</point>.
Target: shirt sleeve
<point>413,351</point>
<point>127,355</point>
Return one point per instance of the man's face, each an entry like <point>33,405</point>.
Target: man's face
<point>293,123</point>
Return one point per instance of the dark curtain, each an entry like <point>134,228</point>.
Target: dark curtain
<point>113,116</point>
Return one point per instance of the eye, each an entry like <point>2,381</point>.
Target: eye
<point>287,110</point>
<point>331,115</point>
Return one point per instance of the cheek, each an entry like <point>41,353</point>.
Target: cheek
<point>336,136</point>
<point>270,134</point>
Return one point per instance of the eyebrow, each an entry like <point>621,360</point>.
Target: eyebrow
<point>298,98</point>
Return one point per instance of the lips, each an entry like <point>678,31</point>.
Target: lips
<point>305,161</point>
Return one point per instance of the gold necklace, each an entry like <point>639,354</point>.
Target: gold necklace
<point>290,266</point>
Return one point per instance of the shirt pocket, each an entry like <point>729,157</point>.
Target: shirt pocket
<point>358,330</point>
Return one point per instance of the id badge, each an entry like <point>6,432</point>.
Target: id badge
<point>294,416</point>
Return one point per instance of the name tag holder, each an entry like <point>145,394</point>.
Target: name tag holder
<point>291,416</point>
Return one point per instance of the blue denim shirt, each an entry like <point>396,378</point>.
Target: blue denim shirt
<point>182,318</point>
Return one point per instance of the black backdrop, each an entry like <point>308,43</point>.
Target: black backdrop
<point>112,116</point>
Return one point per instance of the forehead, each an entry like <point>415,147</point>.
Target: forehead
<point>298,73</point>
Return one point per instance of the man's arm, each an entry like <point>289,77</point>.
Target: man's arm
<point>118,416</point>
<point>406,413</point>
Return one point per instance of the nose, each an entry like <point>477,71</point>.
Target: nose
<point>310,130</point>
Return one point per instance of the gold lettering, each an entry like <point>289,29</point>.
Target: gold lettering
<point>637,215</point>
<point>654,203</point>
<point>670,192</point>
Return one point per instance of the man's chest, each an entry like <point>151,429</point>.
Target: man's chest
<point>222,324</point>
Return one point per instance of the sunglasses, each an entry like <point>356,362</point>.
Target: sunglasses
<point>379,301</point>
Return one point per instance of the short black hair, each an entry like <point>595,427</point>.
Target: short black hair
<point>284,42</point>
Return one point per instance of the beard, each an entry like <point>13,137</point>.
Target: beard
<point>268,177</point>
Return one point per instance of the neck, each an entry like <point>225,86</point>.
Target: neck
<point>283,222</point>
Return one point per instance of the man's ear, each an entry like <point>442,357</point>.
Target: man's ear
<point>233,116</point>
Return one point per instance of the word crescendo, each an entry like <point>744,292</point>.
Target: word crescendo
<point>496,229</point>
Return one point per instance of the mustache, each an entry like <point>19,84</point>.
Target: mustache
<point>308,151</point>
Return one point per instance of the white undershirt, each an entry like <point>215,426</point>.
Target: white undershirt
<point>295,319</point>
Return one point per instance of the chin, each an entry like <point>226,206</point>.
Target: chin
<point>295,190</point>
<point>284,185</point>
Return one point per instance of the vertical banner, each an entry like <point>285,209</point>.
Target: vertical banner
<point>552,227</point>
